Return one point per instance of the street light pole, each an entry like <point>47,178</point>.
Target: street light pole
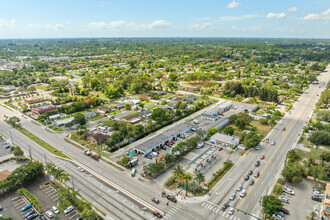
<point>30,152</point>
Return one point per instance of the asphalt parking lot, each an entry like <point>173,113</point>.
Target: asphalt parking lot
<point>47,196</point>
<point>3,150</point>
<point>301,205</point>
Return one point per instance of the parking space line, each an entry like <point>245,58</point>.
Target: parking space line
<point>53,196</point>
<point>55,199</point>
<point>77,213</point>
<point>52,193</point>
<point>18,197</point>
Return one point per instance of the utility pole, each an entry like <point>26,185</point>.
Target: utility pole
<point>30,152</point>
<point>186,185</point>
<point>45,159</point>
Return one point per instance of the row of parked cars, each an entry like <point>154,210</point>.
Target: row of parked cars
<point>280,214</point>
<point>317,195</point>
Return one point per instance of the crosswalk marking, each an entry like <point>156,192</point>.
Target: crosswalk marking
<point>207,205</point>
<point>211,207</point>
<point>223,213</point>
<point>203,204</point>
<point>176,208</point>
<point>216,212</point>
<point>227,215</point>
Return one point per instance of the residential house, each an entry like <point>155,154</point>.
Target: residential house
<point>189,98</point>
<point>98,138</point>
<point>119,106</point>
<point>133,119</point>
<point>146,113</point>
<point>89,115</point>
<point>104,109</point>
<point>143,97</point>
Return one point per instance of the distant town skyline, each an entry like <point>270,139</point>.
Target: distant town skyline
<point>147,18</point>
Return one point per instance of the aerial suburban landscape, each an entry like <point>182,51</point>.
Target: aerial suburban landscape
<point>206,118</point>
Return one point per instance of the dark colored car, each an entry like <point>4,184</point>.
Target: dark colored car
<point>163,194</point>
<point>155,200</point>
<point>42,217</point>
<point>32,216</point>
<point>29,213</point>
<point>257,163</point>
<point>171,198</point>
<point>251,183</point>
<point>224,207</point>
<point>250,172</point>
<point>247,177</point>
<point>285,211</point>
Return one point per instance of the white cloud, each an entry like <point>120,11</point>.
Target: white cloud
<point>158,24</point>
<point>6,24</point>
<point>202,26</point>
<point>49,26</point>
<point>203,19</point>
<point>323,16</point>
<point>275,15</point>
<point>233,4</point>
<point>3,23</point>
<point>124,25</point>
<point>293,9</point>
<point>236,18</point>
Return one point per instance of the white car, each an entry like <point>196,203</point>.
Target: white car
<point>50,214</point>
<point>68,210</point>
<point>273,143</point>
<point>288,191</point>
<point>277,217</point>
<point>80,169</point>
<point>239,188</point>
<point>285,200</point>
<point>231,211</point>
<point>243,193</point>
<point>232,197</point>
<point>55,210</point>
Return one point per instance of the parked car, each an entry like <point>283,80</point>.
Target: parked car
<point>28,206</point>
<point>279,213</point>
<point>49,214</point>
<point>256,175</point>
<point>155,200</point>
<point>42,217</point>
<point>68,210</point>
<point>29,213</point>
<point>232,197</point>
<point>0,207</point>
<point>231,211</point>
<point>257,163</point>
<point>258,147</point>
<point>239,188</point>
<point>278,217</point>
<point>251,183</point>
<point>285,211</point>
<point>55,210</point>
<point>285,200</point>
<point>288,191</point>
<point>33,216</point>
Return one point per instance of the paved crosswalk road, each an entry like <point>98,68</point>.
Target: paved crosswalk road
<point>217,211</point>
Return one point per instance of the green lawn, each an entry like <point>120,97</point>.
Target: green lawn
<point>133,113</point>
<point>262,129</point>
<point>41,87</point>
<point>114,112</point>
<point>152,107</point>
<point>146,102</point>
<point>42,143</point>
<point>98,117</point>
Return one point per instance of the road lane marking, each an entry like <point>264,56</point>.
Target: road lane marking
<point>270,159</point>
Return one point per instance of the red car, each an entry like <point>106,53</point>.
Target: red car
<point>155,213</point>
<point>262,157</point>
<point>221,114</point>
<point>220,148</point>
<point>172,142</point>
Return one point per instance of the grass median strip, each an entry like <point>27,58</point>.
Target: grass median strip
<point>42,143</point>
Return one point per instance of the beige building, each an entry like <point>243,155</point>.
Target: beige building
<point>326,203</point>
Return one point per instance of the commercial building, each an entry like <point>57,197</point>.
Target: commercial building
<point>326,202</point>
<point>162,139</point>
<point>57,116</point>
<point>41,109</point>
<point>215,111</point>
<point>64,121</point>
<point>246,107</point>
<point>224,140</point>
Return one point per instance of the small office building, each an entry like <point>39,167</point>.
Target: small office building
<point>224,140</point>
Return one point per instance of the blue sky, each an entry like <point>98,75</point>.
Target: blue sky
<point>164,18</point>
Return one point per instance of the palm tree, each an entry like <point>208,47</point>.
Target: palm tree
<point>199,178</point>
<point>313,215</point>
<point>178,173</point>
